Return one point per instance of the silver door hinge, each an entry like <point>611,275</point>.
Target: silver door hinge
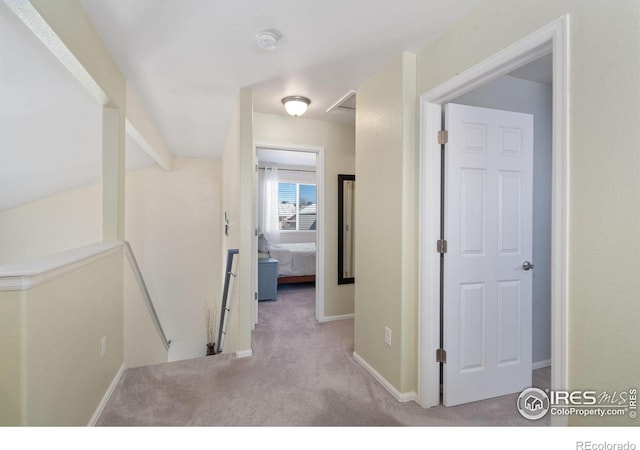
<point>441,355</point>
<point>255,296</point>
<point>443,137</point>
<point>441,246</point>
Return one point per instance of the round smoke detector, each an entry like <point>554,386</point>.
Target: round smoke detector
<point>268,39</point>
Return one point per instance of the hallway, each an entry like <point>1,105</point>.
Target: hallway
<point>302,374</point>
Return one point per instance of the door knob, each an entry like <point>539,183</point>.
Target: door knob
<point>527,265</point>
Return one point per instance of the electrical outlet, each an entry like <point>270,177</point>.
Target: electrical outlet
<point>103,346</point>
<point>387,336</point>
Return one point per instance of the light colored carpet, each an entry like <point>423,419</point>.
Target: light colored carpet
<point>302,374</point>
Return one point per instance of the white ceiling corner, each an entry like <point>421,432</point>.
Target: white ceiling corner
<point>285,158</point>
<point>538,71</point>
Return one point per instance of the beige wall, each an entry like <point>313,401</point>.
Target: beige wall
<point>386,264</point>
<point>56,375</point>
<point>66,377</point>
<point>143,343</point>
<point>173,226</point>
<point>247,269</point>
<point>604,109</point>
<point>231,206</point>
<point>13,408</point>
<point>54,372</point>
<point>62,375</point>
<point>337,139</point>
<point>51,225</point>
<point>604,228</point>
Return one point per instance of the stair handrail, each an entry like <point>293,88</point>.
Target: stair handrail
<point>223,308</point>
<point>145,292</point>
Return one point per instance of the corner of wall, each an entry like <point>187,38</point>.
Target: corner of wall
<point>13,398</point>
<point>247,258</point>
<point>409,313</point>
<point>386,259</point>
<point>237,190</point>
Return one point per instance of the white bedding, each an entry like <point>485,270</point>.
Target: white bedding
<point>294,259</point>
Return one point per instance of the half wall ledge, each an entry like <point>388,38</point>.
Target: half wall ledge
<point>26,275</point>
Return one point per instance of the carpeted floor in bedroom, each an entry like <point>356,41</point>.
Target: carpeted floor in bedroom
<point>302,374</point>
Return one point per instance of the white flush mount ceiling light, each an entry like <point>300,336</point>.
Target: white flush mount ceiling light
<point>296,105</point>
<point>268,39</point>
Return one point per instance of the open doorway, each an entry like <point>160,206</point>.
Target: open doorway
<point>289,224</point>
<point>496,216</point>
<point>549,40</point>
<point>529,90</point>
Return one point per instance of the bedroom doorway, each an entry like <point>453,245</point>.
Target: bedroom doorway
<point>548,40</point>
<point>289,193</point>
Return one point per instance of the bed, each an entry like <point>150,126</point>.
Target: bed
<point>296,262</point>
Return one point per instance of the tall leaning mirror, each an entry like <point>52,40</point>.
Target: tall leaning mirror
<point>346,204</point>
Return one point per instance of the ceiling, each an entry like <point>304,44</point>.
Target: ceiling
<point>51,127</point>
<point>285,158</point>
<point>187,59</point>
<point>539,70</point>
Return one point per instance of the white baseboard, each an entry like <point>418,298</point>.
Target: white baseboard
<point>244,353</point>
<point>541,364</point>
<point>401,397</point>
<point>332,318</point>
<point>106,397</point>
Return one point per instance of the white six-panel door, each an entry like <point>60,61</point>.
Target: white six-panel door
<point>488,228</point>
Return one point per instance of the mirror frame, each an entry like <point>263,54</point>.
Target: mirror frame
<point>341,179</point>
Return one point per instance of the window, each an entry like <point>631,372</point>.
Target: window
<point>296,206</point>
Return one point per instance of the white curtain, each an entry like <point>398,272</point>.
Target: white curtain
<point>270,220</point>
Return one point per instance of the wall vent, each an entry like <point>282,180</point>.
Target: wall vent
<point>346,103</point>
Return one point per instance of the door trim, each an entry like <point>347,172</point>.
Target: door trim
<point>319,151</point>
<point>553,38</point>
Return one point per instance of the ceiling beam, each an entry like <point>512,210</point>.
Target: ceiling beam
<point>43,31</point>
<point>140,127</point>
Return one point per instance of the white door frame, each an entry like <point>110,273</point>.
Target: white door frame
<point>551,39</point>
<point>319,151</point>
